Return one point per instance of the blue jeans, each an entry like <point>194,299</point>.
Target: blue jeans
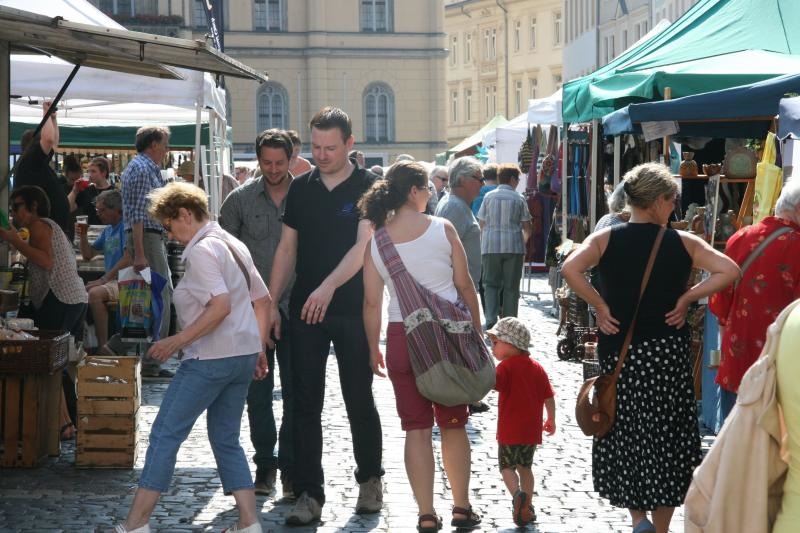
<point>218,386</point>
<point>727,401</point>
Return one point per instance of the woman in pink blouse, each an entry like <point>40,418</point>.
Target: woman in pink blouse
<point>223,311</point>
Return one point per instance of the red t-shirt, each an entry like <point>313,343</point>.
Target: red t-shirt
<point>523,386</point>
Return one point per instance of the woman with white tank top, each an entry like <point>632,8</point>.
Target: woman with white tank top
<point>433,254</point>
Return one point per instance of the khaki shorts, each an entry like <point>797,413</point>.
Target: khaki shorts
<point>112,288</point>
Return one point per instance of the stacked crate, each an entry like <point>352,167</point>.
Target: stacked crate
<point>109,394</point>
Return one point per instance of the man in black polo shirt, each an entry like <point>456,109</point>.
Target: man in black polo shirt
<point>34,169</point>
<point>324,239</point>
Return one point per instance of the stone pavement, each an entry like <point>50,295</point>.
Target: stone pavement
<point>59,497</point>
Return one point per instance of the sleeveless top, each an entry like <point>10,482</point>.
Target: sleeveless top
<point>63,279</point>
<point>620,273</point>
<point>428,259</point>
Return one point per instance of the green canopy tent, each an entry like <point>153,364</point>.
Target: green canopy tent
<point>715,45</point>
<point>477,137</point>
<point>182,136</point>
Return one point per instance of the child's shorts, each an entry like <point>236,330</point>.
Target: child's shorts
<point>415,411</point>
<point>513,455</point>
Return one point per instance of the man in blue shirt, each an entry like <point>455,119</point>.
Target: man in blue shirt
<point>111,243</point>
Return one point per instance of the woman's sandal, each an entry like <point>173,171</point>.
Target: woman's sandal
<point>429,518</point>
<point>471,520</point>
<point>71,434</point>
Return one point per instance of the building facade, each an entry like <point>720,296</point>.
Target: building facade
<point>382,61</point>
<point>597,31</point>
<point>502,54</point>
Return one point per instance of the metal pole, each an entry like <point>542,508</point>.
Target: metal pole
<point>595,173</point>
<point>198,127</point>
<point>564,199</point>
<point>5,131</point>
<point>617,158</point>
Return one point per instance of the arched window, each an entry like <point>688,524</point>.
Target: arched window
<point>273,107</point>
<point>378,113</point>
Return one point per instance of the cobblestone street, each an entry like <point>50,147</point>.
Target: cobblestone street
<point>59,497</point>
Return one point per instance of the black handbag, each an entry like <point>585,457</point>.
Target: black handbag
<point>26,308</point>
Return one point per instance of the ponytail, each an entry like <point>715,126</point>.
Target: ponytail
<point>388,194</point>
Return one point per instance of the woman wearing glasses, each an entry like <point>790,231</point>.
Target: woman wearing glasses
<point>56,291</point>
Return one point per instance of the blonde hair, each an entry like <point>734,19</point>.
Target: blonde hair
<point>646,183</point>
<point>166,201</point>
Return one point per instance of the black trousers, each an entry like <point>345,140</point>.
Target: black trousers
<point>310,346</point>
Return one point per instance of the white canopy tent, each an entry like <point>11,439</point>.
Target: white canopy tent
<point>507,139</point>
<point>116,97</point>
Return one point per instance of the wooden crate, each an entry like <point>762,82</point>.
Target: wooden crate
<point>29,415</point>
<point>109,385</point>
<point>106,441</point>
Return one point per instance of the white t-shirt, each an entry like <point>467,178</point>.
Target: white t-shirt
<point>211,270</point>
<point>428,259</point>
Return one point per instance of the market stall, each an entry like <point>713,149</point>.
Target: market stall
<point>29,416</point>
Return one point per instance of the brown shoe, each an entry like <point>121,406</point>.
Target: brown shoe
<point>265,481</point>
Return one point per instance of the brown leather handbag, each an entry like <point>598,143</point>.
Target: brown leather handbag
<point>596,407</point>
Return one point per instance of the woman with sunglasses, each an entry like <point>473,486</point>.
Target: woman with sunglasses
<point>55,289</point>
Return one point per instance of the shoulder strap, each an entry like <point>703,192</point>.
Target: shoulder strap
<point>623,353</point>
<point>235,256</point>
<point>759,250</point>
<point>391,259</point>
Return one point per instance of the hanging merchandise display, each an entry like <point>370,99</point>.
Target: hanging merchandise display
<point>769,180</point>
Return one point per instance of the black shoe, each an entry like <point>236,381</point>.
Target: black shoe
<point>478,407</point>
<point>265,480</point>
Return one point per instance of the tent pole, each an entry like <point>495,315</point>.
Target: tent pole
<point>198,126</point>
<point>5,131</point>
<point>617,158</point>
<point>564,199</point>
<point>595,175</point>
<point>213,177</point>
<point>667,96</point>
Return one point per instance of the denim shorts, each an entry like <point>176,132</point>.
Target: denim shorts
<point>219,387</point>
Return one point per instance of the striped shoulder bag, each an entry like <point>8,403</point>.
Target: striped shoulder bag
<point>449,358</point>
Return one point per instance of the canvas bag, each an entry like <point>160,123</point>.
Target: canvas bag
<point>448,357</point>
<point>596,408</point>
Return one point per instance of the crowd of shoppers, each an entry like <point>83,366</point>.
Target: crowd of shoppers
<point>459,230</point>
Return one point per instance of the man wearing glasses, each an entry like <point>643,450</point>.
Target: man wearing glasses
<point>466,179</point>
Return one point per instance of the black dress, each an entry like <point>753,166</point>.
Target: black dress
<point>647,459</point>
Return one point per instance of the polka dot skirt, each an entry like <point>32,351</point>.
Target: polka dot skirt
<point>647,459</point>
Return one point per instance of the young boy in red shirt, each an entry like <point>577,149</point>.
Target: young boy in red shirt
<point>524,390</point>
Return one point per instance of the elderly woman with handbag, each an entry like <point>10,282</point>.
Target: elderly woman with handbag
<point>223,310</point>
<point>427,249</point>
<point>645,462</point>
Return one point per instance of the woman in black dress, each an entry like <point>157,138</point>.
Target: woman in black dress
<point>645,463</point>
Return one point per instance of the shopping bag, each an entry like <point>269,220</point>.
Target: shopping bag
<point>769,180</point>
<point>135,304</point>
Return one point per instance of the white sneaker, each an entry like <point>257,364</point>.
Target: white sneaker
<point>119,528</point>
<point>305,511</point>
<point>370,496</point>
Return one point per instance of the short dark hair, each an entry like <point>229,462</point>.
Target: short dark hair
<point>490,172</point>
<point>274,138</point>
<point>71,164</point>
<point>30,194</point>
<point>355,153</point>
<point>147,135</point>
<point>506,173</point>
<point>331,117</point>
<point>101,163</point>
<point>295,137</point>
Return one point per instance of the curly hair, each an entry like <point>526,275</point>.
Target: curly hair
<point>165,202</point>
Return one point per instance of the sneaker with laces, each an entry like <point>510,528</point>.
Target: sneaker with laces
<point>305,511</point>
<point>265,480</point>
<point>370,496</point>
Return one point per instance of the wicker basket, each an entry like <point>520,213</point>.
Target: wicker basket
<point>43,356</point>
